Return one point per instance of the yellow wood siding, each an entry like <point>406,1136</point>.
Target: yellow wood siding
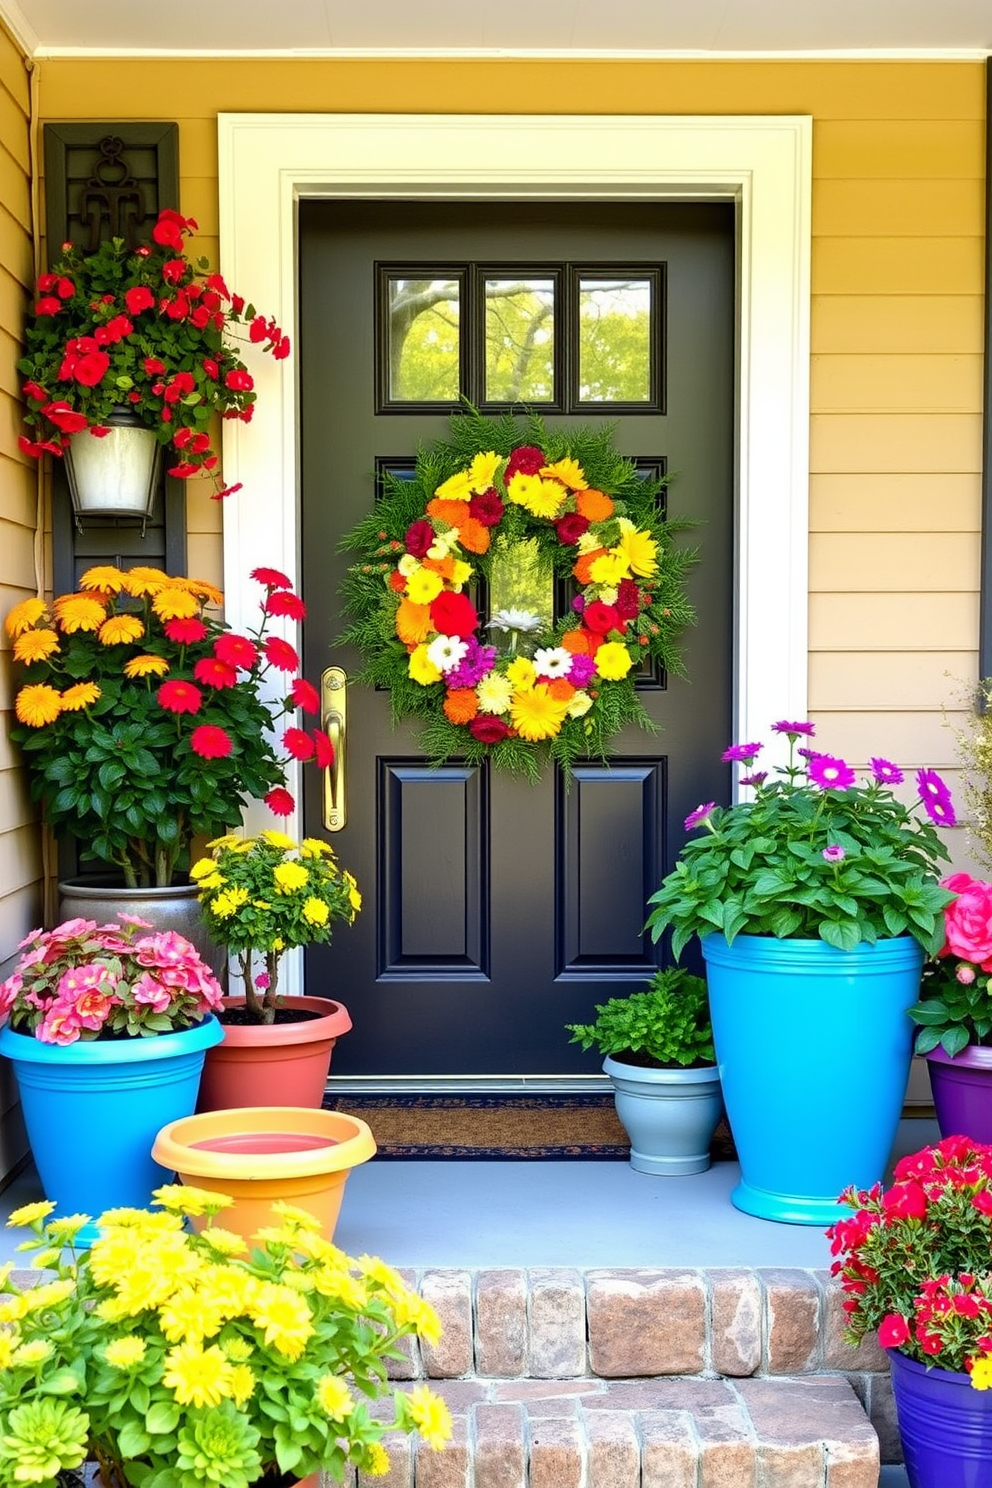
<point>898,162</point>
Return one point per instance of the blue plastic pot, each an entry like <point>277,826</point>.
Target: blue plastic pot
<point>813,1046</point>
<point>93,1109</point>
<point>945,1426</point>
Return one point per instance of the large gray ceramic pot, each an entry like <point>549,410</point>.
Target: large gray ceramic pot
<point>102,897</point>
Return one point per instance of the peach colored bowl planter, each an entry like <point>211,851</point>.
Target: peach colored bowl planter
<point>261,1153</point>
<point>274,1064</point>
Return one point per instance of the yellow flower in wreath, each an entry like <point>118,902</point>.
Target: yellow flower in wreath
<point>613,661</point>
<point>423,586</point>
<point>521,674</point>
<point>536,714</point>
<point>422,669</point>
<point>639,548</point>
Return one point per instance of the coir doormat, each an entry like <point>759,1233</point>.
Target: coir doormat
<point>507,1128</point>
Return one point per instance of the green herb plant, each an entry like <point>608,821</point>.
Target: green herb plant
<point>665,1026</point>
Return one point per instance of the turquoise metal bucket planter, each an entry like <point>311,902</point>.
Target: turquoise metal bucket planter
<point>92,1111</point>
<point>813,1046</point>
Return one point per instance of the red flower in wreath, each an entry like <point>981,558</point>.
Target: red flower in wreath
<point>454,615</point>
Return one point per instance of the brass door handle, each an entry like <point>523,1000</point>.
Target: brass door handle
<point>334,719</point>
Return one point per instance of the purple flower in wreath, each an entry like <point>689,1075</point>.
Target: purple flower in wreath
<point>885,772</point>
<point>794,730</point>
<point>578,604</point>
<point>830,773</point>
<point>477,661</point>
<point>744,753</point>
<point>582,670</point>
<point>701,814</point>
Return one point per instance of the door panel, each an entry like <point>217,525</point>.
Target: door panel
<point>496,911</point>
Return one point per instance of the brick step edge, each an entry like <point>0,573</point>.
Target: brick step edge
<point>673,1433</point>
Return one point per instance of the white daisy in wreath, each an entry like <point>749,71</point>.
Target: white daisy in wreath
<point>553,661</point>
<point>446,652</point>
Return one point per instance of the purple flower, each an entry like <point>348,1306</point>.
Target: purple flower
<point>757,778</point>
<point>834,853</point>
<point>808,754</point>
<point>583,670</point>
<point>697,817</point>
<point>477,661</point>
<point>940,811</point>
<point>795,729</point>
<point>743,752</point>
<point>885,772</point>
<point>830,773</point>
<point>578,604</point>
<point>931,787</point>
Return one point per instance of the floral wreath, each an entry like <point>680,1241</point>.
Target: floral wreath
<point>524,693</point>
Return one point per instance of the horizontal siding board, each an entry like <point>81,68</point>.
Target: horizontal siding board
<point>14,130</point>
<point>14,299</point>
<point>913,738</point>
<point>885,679</point>
<point>893,562</point>
<point>16,809</point>
<point>894,148</point>
<point>888,209</point>
<point>895,442</point>
<point>15,246</point>
<point>896,384</point>
<point>18,493</point>
<point>14,75</point>
<point>909,502</point>
<point>893,622</point>
<point>17,555</point>
<point>880,266</point>
<point>923,324</point>
<point>20,857</point>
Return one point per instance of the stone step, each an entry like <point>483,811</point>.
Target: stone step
<point>661,1433</point>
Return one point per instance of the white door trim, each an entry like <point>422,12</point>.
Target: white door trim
<point>268,162</point>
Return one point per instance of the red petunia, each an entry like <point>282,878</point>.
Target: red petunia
<point>305,695</point>
<point>239,381</point>
<point>284,602</point>
<point>236,651</point>
<point>488,730</point>
<point>324,750</point>
<point>139,298</point>
<point>280,802</point>
<point>454,615</point>
<point>299,744</point>
<point>152,365</point>
<point>185,630</point>
<point>272,578</point>
<point>180,697</point>
<point>281,654</point>
<point>64,417</point>
<point>214,673</point>
<point>90,369</point>
<point>210,741</point>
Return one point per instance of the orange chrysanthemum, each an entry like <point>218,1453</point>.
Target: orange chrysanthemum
<point>561,689</point>
<point>141,580</point>
<point>397,581</point>
<point>413,622</point>
<point>36,645</point>
<point>79,612</point>
<point>175,604</point>
<point>105,577</point>
<point>473,536</point>
<point>79,696</point>
<point>452,512</point>
<point>37,705</point>
<point>461,705</point>
<point>576,641</point>
<point>146,666</point>
<point>119,630</point>
<point>584,563</point>
<point>443,566</point>
<point>594,505</point>
<point>24,615</point>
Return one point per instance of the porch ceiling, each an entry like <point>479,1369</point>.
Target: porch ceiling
<point>50,28</point>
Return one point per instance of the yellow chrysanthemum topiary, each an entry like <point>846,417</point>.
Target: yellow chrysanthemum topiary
<point>161,1351</point>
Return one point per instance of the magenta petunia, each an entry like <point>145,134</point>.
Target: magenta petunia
<point>701,814</point>
<point>830,773</point>
<point>931,787</point>
<point>744,753</point>
<point>885,772</point>
<point>807,729</point>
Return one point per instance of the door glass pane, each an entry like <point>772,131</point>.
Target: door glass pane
<point>423,340</point>
<point>614,340</point>
<point>521,597</point>
<point>520,340</point>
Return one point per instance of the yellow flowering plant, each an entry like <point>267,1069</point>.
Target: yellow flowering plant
<point>145,720</point>
<point>261,896</point>
<point>520,686</point>
<point>176,1359</point>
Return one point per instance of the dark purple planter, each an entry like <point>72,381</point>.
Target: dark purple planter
<point>945,1426</point>
<point>962,1093</point>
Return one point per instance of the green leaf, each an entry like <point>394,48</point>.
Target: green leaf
<point>63,1382</point>
<point>840,933</point>
<point>954,1040</point>
<point>162,1417</point>
<point>132,1441</point>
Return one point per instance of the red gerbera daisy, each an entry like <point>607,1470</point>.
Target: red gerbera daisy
<point>210,741</point>
<point>236,651</point>
<point>284,602</point>
<point>324,750</point>
<point>280,802</point>
<point>185,630</point>
<point>214,673</point>
<point>281,654</point>
<point>180,697</point>
<point>305,695</point>
<point>271,578</point>
<point>298,743</point>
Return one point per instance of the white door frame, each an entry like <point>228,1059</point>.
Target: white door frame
<point>269,162</point>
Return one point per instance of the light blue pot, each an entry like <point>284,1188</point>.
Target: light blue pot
<point>93,1109</point>
<point>813,1046</point>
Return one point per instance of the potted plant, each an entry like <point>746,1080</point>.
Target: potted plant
<point>815,903</point>
<point>125,340</point>
<point>913,1262</point>
<point>955,1012</point>
<point>146,721</point>
<point>106,1027</point>
<point>658,1047</point>
<point>173,1357</point>
<point>260,897</point>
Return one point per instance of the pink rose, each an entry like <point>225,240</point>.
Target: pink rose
<point>968,918</point>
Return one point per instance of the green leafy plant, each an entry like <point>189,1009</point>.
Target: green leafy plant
<point>955,1006</point>
<point>261,896</point>
<point>143,328</point>
<point>814,854</point>
<point>146,721</point>
<point>174,1359</point>
<point>666,1025</point>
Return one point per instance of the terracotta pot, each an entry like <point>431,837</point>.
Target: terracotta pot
<point>273,1064</point>
<point>261,1153</point>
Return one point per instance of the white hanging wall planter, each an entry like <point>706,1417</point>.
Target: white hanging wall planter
<point>115,474</point>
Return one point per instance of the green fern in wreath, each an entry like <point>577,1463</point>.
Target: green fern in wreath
<point>523,688</point>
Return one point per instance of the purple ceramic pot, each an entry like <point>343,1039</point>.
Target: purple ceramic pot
<point>962,1094</point>
<point>945,1426</point>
